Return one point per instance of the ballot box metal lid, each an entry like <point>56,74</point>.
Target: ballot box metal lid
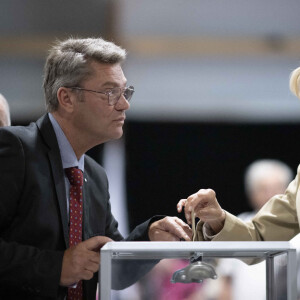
<point>159,250</point>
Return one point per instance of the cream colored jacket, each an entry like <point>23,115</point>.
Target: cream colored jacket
<point>278,220</point>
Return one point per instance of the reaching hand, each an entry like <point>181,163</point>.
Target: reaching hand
<point>82,261</point>
<point>206,207</point>
<point>169,229</point>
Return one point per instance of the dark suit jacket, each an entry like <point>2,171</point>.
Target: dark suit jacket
<point>33,213</point>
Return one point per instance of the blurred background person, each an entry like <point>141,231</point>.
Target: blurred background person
<point>263,179</point>
<point>4,112</point>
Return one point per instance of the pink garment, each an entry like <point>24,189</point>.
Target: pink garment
<point>176,291</point>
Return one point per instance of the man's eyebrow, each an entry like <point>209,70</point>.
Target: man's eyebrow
<point>111,84</point>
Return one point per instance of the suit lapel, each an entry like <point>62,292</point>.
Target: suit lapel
<point>49,138</point>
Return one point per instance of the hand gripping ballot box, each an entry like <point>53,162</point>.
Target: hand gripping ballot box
<point>185,270</point>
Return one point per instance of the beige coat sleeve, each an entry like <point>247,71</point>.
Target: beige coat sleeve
<point>276,221</point>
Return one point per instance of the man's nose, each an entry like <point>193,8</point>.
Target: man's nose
<point>122,104</point>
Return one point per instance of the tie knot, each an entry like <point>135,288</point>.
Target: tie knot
<point>75,176</point>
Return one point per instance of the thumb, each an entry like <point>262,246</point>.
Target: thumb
<point>97,242</point>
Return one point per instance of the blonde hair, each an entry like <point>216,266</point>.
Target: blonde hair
<point>295,82</point>
<point>4,112</point>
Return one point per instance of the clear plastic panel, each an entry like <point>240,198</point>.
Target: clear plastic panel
<point>149,274</point>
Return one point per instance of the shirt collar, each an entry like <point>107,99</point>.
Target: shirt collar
<point>67,153</point>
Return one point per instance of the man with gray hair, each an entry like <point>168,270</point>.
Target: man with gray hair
<point>55,211</point>
<point>265,178</point>
<point>4,112</point>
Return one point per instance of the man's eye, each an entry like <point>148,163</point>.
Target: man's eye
<point>108,92</point>
<point>114,91</point>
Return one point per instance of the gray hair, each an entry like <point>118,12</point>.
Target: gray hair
<point>263,168</point>
<point>4,112</point>
<point>68,63</point>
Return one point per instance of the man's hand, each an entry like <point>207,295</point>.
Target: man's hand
<point>82,261</point>
<point>169,229</point>
<point>206,207</point>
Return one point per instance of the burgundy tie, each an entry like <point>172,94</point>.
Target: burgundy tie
<point>75,177</point>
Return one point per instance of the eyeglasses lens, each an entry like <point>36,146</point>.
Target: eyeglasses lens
<point>116,93</point>
<point>128,92</point>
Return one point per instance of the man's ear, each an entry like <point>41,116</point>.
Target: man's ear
<point>65,98</point>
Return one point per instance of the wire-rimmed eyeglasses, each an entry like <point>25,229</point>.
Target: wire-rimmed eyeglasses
<point>113,95</point>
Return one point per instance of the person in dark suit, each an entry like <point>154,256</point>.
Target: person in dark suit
<point>86,97</point>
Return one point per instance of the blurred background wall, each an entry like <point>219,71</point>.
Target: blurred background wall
<point>211,80</point>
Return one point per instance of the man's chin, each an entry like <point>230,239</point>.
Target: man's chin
<point>118,134</point>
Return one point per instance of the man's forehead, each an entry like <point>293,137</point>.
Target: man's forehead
<point>109,74</point>
<point>106,67</point>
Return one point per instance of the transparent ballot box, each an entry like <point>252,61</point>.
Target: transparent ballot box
<point>192,270</point>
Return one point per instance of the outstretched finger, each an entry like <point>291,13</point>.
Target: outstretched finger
<point>180,205</point>
<point>192,202</point>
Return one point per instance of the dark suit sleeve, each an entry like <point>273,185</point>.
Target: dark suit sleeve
<point>99,205</point>
<point>140,232</point>
<point>136,268</point>
<point>24,269</point>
